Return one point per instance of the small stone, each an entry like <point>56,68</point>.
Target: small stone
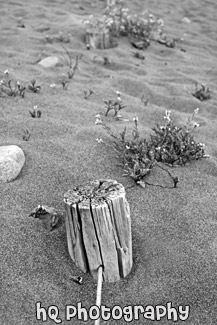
<point>12,159</point>
<point>185,20</point>
<point>49,62</point>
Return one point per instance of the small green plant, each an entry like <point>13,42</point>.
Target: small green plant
<point>176,145</point>
<point>33,87</point>
<point>169,145</point>
<point>36,112</point>
<point>69,61</point>
<point>115,105</point>
<point>49,39</point>
<point>26,135</point>
<point>63,38</point>
<point>60,37</point>
<point>139,55</point>
<point>88,93</point>
<point>73,69</point>
<point>144,100</point>
<point>64,81</point>
<point>202,92</point>
<point>106,60</point>
<point>11,87</point>
<point>53,87</point>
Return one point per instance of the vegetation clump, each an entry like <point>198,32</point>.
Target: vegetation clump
<point>10,87</point>
<point>33,87</point>
<point>119,21</point>
<point>202,92</point>
<point>115,105</point>
<point>169,145</point>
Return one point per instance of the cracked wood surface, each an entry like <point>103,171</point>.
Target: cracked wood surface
<point>99,229</point>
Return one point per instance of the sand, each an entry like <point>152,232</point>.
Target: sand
<point>174,230</point>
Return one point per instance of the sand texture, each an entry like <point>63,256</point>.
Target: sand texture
<point>174,230</point>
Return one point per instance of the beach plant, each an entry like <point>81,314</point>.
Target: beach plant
<point>88,93</point>
<point>115,105</point>
<point>176,145</point>
<point>49,39</point>
<point>36,112</point>
<point>139,55</point>
<point>106,60</point>
<point>11,87</point>
<point>73,68</point>
<point>64,81</point>
<point>69,62</point>
<point>53,87</point>
<point>144,100</point>
<point>33,87</point>
<point>26,135</point>
<point>202,92</point>
<point>63,38</point>
<point>170,145</point>
<point>60,37</point>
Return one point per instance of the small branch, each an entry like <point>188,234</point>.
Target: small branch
<point>68,54</point>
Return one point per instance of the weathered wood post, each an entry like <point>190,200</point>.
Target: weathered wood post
<point>99,229</point>
<point>99,38</point>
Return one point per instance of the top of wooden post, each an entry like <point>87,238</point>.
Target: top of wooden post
<point>95,191</point>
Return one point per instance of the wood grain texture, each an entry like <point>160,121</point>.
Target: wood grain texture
<point>99,229</point>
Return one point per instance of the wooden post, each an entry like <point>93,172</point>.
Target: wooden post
<point>99,229</point>
<point>99,39</point>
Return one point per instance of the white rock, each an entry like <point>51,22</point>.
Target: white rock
<point>49,62</point>
<point>12,159</point>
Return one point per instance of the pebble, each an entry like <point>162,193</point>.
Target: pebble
<point>12,159</point>
<point>49,62</point>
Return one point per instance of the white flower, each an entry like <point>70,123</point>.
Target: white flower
<point>35,107</point>
<point>136,119</point>
<point>167,116</point>
<point>6,71</point>
<point>196,125</point>
<point>98,119</point>
<point>1,82</point>
<point>52,85</point>
<point>160,22</point>
<point>99,140</point>
<point>196,110</point>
